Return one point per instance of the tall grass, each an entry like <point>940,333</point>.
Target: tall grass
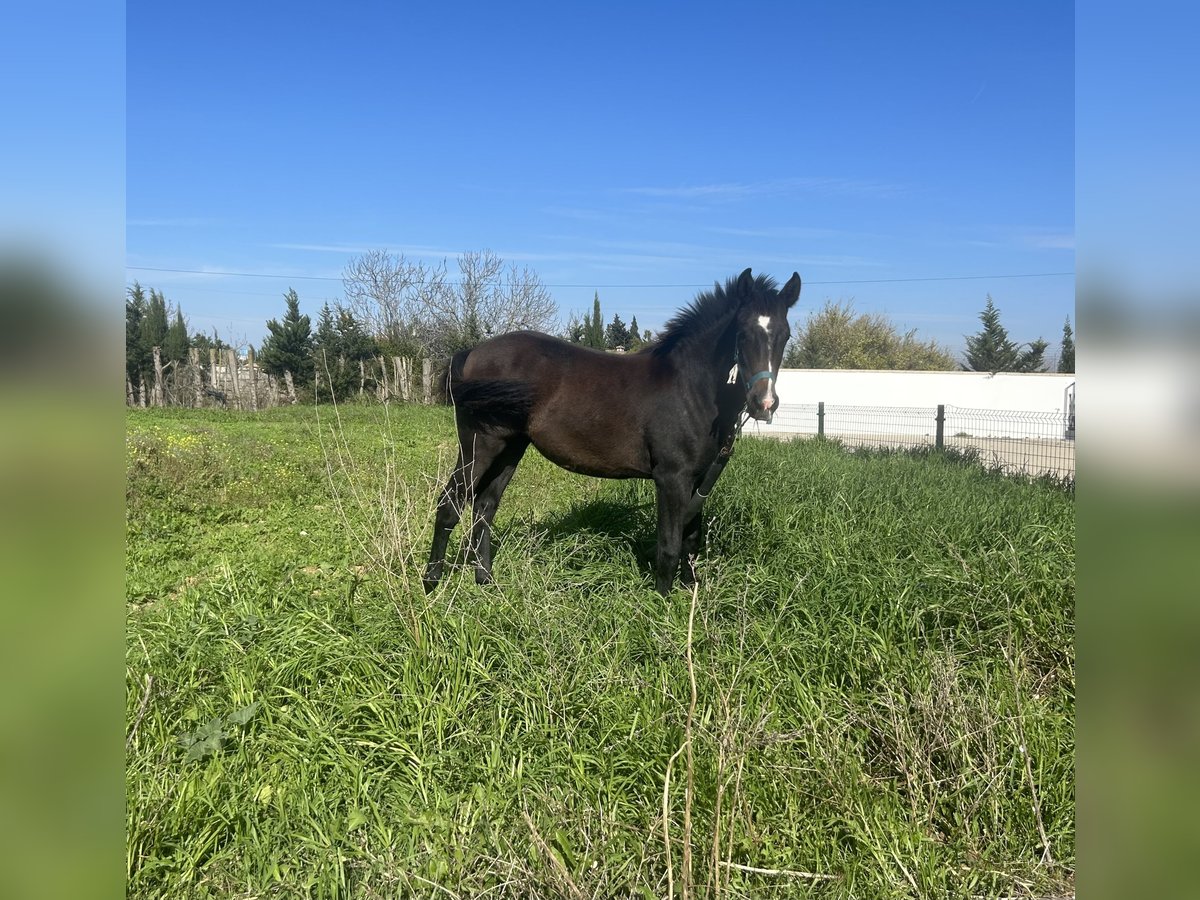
<point>869,694</point>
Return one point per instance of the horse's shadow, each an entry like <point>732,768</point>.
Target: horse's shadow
<point>598,529</point>
<point>585,533</point>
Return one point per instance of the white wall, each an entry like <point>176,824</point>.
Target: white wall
<point>904,402</point>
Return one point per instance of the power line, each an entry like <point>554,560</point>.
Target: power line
<point>596,285</point>
<point>236,274</point>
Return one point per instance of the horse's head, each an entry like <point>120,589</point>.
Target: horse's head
<point>762,333</point>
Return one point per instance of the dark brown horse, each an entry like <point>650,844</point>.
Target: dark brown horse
<point>669,413</point>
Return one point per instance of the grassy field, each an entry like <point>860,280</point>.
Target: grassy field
<point>871,693</point>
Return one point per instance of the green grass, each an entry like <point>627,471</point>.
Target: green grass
<point>881,647</point>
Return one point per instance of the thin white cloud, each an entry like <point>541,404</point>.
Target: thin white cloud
<point>1050,241</point>
<point>169,222</point>
<point>782,186</point>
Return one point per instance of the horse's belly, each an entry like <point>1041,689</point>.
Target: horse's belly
<point>600,452</point>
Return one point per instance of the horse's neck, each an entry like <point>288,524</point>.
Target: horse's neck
<point>712,359</point>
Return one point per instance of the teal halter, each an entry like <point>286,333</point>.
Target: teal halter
<point>756,377</point>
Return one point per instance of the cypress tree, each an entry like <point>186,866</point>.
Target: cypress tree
<point>616,335</point>
<point>1066,358</point>
<point>176,342</point>
<point>289,345</point>
<point>595,330</point>
<point>137,357</point>
<point>990,350</point>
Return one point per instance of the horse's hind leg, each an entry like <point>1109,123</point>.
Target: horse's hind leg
<point>449,511</point>
<point>488,491</point>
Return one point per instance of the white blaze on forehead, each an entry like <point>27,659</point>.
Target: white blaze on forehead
<point>765,323</point>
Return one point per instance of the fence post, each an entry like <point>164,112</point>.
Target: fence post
<point>231,371</point>
<point>427,380</point>
<point>820,418</point>
<point>939,440</point>
<point>252,365</point>
<point>197,374</point>
<point>382,387</point>
<point>159,394</point>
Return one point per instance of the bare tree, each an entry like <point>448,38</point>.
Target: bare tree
<point>389,294</point>
<point>488,299</point>
<point>407,305</point>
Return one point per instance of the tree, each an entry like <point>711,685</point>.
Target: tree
<point>576,330</point>
<point>490,300</point>
<point>354,343</point>
<point>176,341</point>
<point>990,350</point>
<point>1066,356</point>
<point>340,343</point>
<point>408,306</point>
<point>154,322</point>
<point>616,335</point>
<point>205,342</point>
<point>137,357</point>
<point>1033,359</point>
<point>835,338</point>
<point>325,340</point>
<point>596,327</point>
<point>289,345</point>
<point>389,296</point>
<point>635,336</point>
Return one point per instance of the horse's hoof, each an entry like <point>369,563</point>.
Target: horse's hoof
<point>482,576</point>
<point>431,579</point>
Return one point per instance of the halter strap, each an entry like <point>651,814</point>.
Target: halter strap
<point>753,379</point>
<point>758,376</point>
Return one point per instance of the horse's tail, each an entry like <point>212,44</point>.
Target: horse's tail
<point>447,371</point>
<point>489,403</point>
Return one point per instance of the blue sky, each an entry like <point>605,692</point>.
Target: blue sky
<point>638,150</point>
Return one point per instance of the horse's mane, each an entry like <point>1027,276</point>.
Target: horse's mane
<point>709,311</point>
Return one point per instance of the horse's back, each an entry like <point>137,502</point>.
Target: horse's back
<point>582,408</point>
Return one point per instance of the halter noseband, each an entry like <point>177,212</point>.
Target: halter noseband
<point>737,368</point>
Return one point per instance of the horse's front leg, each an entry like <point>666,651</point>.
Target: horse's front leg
<point>692,538</point>
<point>673,494</point>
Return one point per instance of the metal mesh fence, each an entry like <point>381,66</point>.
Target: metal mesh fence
<point>1032,443</point>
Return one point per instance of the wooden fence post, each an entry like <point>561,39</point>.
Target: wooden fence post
<point>427,380</point>
<point>384,387</point>
<point>291,386</point>
<point>197,376</point>
<point>231,373</point>
<point>253,379</point>
<point>157,396</point>
<point>404,372</point>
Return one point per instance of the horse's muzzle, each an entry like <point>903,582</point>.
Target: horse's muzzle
<point>762,401</point>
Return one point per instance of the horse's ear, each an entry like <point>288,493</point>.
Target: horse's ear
<point>745,284</point>
<point>791,291</point>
